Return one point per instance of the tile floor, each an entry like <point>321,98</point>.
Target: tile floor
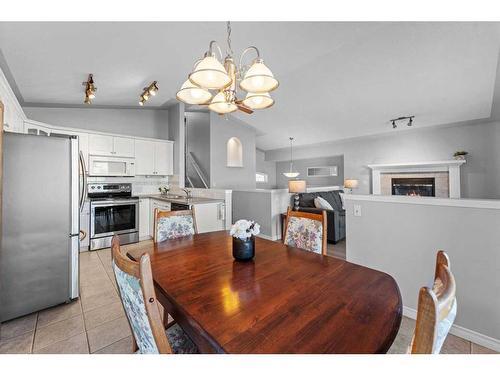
<point>96,323</point>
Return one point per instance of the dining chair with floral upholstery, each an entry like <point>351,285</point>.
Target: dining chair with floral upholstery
<point>137,293</point>
<point>306,231</point>
<point>173,224</point>
<point>437,309</point>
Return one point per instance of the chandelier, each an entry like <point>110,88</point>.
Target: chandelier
<point>214,82</point>
<point>291,173</point>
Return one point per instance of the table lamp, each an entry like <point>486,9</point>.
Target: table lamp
<point>349,184</point>
<point>296,187</point>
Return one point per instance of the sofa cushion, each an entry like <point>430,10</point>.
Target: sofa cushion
<point>320,202</point>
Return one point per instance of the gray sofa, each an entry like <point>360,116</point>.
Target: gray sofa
<point>335,218</point>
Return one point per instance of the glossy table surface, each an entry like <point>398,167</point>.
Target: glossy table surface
<point>286,300</point>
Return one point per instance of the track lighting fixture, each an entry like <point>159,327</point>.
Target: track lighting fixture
<point>409,118</point>
<point>90,89</point>
<point>148,92</point>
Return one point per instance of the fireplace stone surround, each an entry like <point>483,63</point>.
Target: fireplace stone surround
<point>446,175</point>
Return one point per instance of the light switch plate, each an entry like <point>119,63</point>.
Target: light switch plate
<point>357,210</point>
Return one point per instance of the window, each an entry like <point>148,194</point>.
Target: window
<point>322,171</point>
<point>261,177</point>
<point>234,153</point>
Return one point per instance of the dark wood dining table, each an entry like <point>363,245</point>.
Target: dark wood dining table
<point>285,300</point>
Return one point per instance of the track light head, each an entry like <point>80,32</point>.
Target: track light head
<point>410,122</point>
<point>394,126</point>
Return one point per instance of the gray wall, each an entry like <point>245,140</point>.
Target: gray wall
<point>480,175</point>
<point>176,133</point>
<point>301,167</point>
<point>221,177</point>
<point>133,122</point>
<point>254,206</point>
<point>198,140</point>
<point>402,240</point>
<point>269,167</point>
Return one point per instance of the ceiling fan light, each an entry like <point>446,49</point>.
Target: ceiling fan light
<point>209,73</point>
<point>220,105</point>
<point>256,100</point>
<point>259,78</point>
<point>192,94</point>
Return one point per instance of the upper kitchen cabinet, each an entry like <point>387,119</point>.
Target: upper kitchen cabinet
<point>107,145</point>
<point>153,157</point>
<point>13,117</point>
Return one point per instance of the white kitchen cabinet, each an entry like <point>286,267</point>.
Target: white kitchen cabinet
<point>144,157</point>
<point>156,204</point>
<point>107,145</point>
<point>210,217</point>
<point>164,152</point>
<point>144,219</point>
<point>154,158</point>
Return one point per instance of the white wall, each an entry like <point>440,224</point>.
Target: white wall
<point>176,131</point>
<point>198,142</point>
<point>222,177</point>
<point>134,122</point>
<point>402,240</point>
<point>480,176</point>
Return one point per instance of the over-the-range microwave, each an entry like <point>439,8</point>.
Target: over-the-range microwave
<point>111,166</point>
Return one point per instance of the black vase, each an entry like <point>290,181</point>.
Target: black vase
<point>244,249</point>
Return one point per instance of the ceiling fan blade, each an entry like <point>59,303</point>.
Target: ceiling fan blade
<point>244,108</point>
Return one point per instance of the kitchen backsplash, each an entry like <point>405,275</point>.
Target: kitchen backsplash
<point>140,184</point>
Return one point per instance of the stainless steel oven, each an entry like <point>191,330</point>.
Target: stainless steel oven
<point>113,210</point>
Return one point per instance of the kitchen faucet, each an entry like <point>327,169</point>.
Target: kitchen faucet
<point>188,193</point>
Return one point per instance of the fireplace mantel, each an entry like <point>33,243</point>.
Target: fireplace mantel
<point>452,167</point>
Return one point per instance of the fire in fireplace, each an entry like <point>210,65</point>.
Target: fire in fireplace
<point>422,187</point>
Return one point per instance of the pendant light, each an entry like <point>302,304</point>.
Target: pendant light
<point>192,94</point>
<point>210,74</point>
<point>291,173</point>
<point>222,104</point>
<point>256,100</point>
<point>259,78</point>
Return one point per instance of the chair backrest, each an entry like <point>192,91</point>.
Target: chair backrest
<point>173,224</point>
<point>306,231</point>
<point>136,289</point>
<point>437,309</point>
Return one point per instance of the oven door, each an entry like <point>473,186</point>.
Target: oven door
<point>113,217</point>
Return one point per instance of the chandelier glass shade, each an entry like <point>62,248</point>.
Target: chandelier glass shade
<point>192,94</point>
<point>223,77</point>
<point>255,100</point>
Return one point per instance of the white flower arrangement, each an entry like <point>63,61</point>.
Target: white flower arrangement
<point>244,229</point>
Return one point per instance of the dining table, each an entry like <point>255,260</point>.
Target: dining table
<point>284,300</point>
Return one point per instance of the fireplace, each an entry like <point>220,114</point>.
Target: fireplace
<point>414,186</point>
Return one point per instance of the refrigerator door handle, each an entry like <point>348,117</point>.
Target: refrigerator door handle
<point>84,187</point>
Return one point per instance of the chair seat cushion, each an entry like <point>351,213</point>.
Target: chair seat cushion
<point>180,341</point>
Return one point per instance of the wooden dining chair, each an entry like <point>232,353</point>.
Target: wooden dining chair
<point>173,224</point>
<point>137,293</point>
<point>306,231</point>
<point>437,308</point>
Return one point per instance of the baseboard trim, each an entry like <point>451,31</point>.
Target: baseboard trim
<point>465,333</point>
<point>266,237</point>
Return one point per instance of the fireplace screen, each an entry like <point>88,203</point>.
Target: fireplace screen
<point>423,187</point>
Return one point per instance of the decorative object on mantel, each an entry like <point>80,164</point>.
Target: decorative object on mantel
<point>296,187</point>
<point>244,232</point>
<point>460,155</point>
<point>211,74</point>
<point>291,173</point>
<point>409,118</point>
<point>90,89</point>
<point>148,92</point>
<point>349,184</point>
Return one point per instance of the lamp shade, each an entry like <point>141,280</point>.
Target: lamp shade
<point>350,183</point>
<point>256,100</point>
<point>220,104</point>
<point>259,78</point>
<point>192,94</point>
<point>296,186</point>
<point>209,73</point>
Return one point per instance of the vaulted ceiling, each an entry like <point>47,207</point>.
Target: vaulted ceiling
<point>337,80</point>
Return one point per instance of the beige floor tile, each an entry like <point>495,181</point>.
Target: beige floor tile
<point>103,298</point>
<point>59,331</point>
<point>123,346</point>
<point>18,326</point>
<point>101,315</point>
<point>17,345</point>
<point>59,313</point>
<point>108,333</point>
<point>92,290</point>
<point>74,345</point>
<point>478,349</point>
<point>404,336</point>
<point>456,345</point>
<point>90,278</point>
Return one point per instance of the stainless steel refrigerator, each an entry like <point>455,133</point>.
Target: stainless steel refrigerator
<point>40,242</point>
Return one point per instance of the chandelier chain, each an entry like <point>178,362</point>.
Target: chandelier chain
<point>230,51</point>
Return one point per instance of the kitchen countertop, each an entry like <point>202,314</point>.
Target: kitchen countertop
<point>183,200</point>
